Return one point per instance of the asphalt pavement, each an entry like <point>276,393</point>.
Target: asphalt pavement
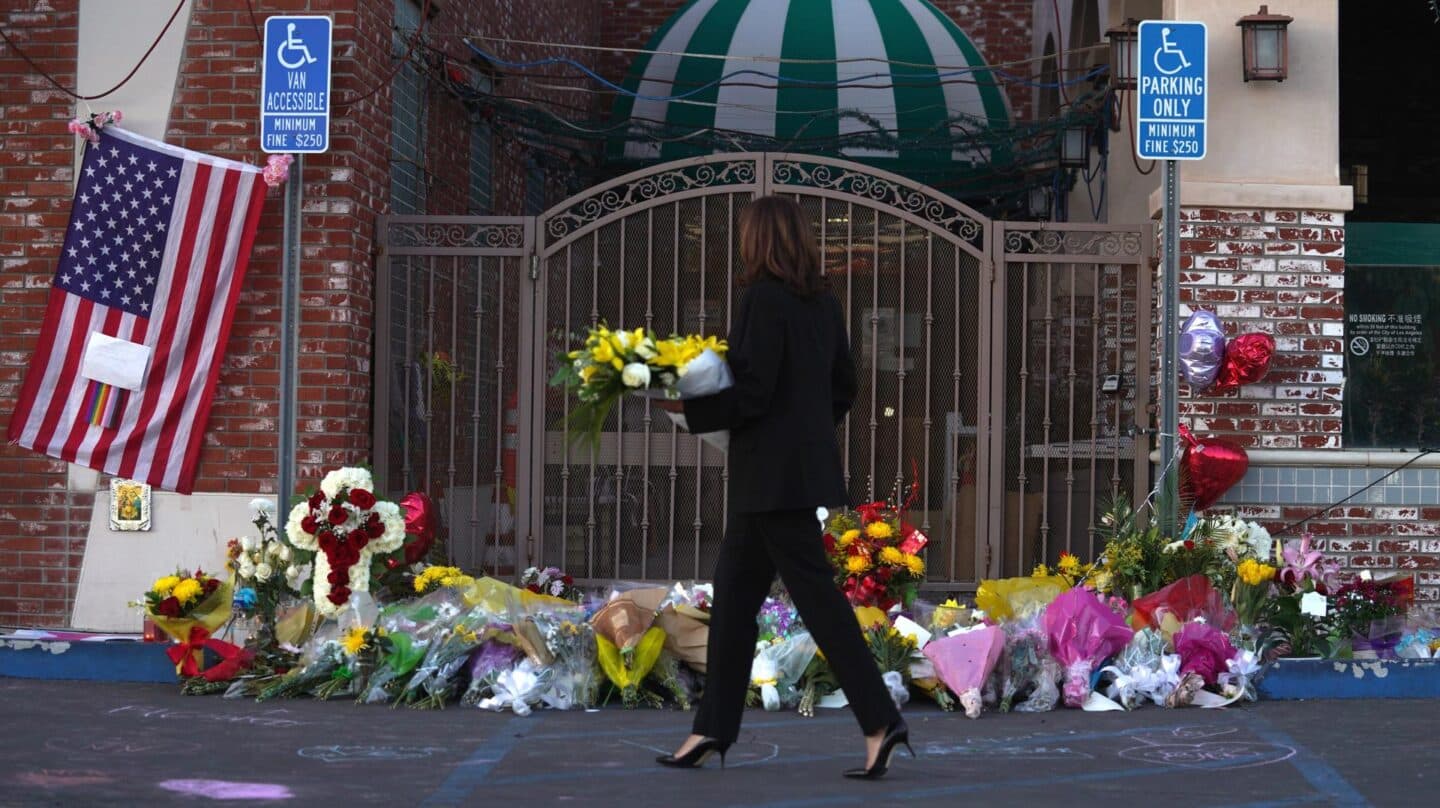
<point>83,743</point>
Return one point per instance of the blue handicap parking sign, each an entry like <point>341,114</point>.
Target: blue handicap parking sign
<point>295,85</point>
<point>1171,84</point>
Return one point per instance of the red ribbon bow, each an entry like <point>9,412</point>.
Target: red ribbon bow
<point>234,659</point>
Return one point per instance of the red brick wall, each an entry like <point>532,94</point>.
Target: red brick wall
<point>42,522</point>
<point>1279,272</point>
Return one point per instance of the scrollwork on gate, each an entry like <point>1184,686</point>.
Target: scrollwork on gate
<point>456,235</point>
<point>616,198</point>
<point>1125,243</point>
<point>885,191</point>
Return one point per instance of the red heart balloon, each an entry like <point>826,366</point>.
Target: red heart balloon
<point>1211,468</point>
<point>1247,360</point>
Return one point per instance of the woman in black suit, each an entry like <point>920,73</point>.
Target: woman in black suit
<point>794,383</point>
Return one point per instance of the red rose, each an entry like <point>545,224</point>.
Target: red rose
<point>358,541</point>
<point>392,563</point>
<point>568,580</point>
<point>169,607</point>
<point>362,499</point>
<point>309,525</point>
<point>339,595</point>
<point>829,543</point>
<point>211,585</point>
<point>1189,545</point>
<point>335,578</point>
<point>375,528</point>
<point>338,515</point>
<point>316,500</point>
<point>534,588</point>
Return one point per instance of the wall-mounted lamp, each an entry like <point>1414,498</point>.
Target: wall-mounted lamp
<point>1123,40</point>
<point>1075,147</point>
<point>1263,41</point>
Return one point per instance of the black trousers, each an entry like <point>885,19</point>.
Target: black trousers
<point>755,548</point>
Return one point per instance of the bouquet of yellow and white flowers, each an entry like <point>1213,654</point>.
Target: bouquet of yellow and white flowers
<point>612,363</point>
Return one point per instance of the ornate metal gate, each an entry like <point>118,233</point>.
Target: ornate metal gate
<point>956,322</point>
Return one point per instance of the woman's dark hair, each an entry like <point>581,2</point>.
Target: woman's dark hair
<point>776,239</point>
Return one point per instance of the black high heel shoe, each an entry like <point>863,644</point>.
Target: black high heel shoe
<point>697,755</point>
<point>897,734</point>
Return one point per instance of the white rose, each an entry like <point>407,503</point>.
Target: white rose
<point>646,349</point>
<point>247,568</point>
<point>249,543</point>
<point>263,506</point>
<point>636,375</point>
<point>263,571</point>
<point>283,552</point>
<point>1260,541</point>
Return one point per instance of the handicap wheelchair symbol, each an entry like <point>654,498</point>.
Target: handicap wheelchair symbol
<point>1168,48</point>
<point>300,53</point>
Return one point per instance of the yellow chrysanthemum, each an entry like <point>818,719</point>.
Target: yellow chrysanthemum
<point>1103,582</point>
<point>951,603</point>
<point>356,640</point>
<point>1254,573</point>
<point>163,586</point>
<point>915,564</point>
<point>187,591</point>
<point>879,530</point>
<point>892,556</point>
<point>1040,571</point>
<point>1069,564</point>
<point>848,537</point>
<point>857,564</point>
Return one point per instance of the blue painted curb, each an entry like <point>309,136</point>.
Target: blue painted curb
<point>1291,679</point>
<point>113,661</point>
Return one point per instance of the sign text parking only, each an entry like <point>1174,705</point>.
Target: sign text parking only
<point>295,85</point>
<point>1172,79</point>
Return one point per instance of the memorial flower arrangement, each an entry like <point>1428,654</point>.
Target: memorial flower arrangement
<point>550,581</point>
<point>876,554</point>
<point>266,567</point>
<point>345,526</point>
<point>182,595</point>
<point>611,363</point>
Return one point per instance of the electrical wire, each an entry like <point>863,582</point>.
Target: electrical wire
<point>770,59</point>
<point>849,82</point>
<point>128,76</point>
<point>399,63</point>
<point>1356,493</point>
<point>1130,125</point>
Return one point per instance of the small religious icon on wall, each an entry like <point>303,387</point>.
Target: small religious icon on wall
<point>129,505</point>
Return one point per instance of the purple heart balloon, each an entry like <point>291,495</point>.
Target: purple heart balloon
<point>1202,349</point>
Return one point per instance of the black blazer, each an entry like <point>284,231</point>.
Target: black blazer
<point>794,383</point>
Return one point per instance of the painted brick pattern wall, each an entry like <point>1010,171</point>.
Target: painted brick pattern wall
<point>1279,272</point>
<point>40,517</point>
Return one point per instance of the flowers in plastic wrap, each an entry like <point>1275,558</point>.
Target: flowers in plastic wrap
<point>778,667</point>
<point>1144,670</point>
<point>436,679</point>
<point>1204,650</point>
<point>1371,612</point>
<point>1181,602</point>
<point>1251,591</point>
<point>571,641</point>
<point>628,646</point>
<point>437,577</point>
<point>1011,598</point>
<point>492,658</point>
<point>189,608</point>
<point>612,363</point>
<point>965,660</point>
<point>1081,633</point>
<point>876,553</point>
<point>1068,568</point>
<point>549,581</point>
<point>344,525</point>
<point>1028,667</point>
<point>1242,671</point>
<point>268,571</point>
<point>406,632</point>
<point>518,688</point>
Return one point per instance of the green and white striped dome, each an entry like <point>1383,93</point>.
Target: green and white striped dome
<point>897,44</point>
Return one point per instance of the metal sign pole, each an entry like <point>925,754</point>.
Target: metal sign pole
<point>289,331</point>
<point>1169,370</point>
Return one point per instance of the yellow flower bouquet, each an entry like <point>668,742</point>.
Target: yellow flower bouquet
<point>612,363</point>
<point>182,603</point>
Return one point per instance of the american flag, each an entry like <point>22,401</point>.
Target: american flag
<point>153,257</point>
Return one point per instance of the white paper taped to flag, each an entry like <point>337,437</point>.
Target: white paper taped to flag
<point>117,362</point>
